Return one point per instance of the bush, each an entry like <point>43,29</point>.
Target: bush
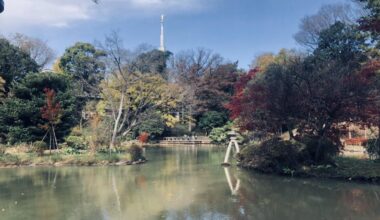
<point>212,119</point>
<point>220,135</point>
<point>327,150</point>
<point>76,142</point>
<point>136,153</point>
<point>373,148</point>
<point>272,156</point>
<point>71,151</point>
<point>39,147</point>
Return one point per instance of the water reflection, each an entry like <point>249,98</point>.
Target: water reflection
<point>178,183</point>
<point>234,189</point>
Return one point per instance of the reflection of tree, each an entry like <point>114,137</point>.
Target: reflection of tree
<point>178,184</point>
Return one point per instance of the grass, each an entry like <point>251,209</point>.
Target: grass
<point>351,169</point>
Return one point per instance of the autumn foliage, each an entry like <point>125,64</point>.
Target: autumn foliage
<point>52,109</point>
<point>143,137</point>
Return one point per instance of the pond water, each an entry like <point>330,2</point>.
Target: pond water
<point>178,183</point>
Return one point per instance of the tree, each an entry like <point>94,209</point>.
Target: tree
<point>211,120</point>
<point>37,49</point>
<point>187,68</point>
<point>312,26</point>
<point>2,88</point>
<point>370,23</point>
<point>154,62</point>
<point>20,113</point>
<point>147,93</point>
<point>15,64</point>
<point>52,113</point>
<point>151,123</point>
<point>215,89</point>
<point>86,65</point>
<point>314,95</point>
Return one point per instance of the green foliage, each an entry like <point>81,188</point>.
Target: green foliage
<point>211,120</point>
<point>14,63</point>
<point>84,63</point>
<point>220,135</point>
<point>152,62</point>
<point>71,151</point>
<point>10,159</point>
<point>273,156</point>
<point>373,148</point>
<point>151,123</point>
<point>178,130</point>
<point>136,153</point>
<point>20,114</point>
<point>76,142</point>
<point>319,150</point>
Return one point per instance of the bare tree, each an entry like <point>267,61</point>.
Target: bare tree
<point>187,68</point>
<point>36,48</point>
<point>312,26</point>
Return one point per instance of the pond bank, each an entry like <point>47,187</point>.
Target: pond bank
<point>345,169</point>
<point>60,159</point>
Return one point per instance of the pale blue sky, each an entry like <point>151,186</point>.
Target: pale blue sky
<point>236,29</point>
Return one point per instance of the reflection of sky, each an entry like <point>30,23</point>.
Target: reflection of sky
<point>179,183</point>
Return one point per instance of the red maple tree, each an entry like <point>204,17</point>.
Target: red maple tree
<point>51,112</point>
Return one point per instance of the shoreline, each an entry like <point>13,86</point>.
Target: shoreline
<point>340,173</point>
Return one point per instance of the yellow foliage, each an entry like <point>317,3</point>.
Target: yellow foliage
<point>56,68</point>
<point>170,120</point>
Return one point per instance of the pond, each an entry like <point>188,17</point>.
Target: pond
<point>178,183</point>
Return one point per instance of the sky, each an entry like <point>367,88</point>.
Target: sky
<point>238,30</point>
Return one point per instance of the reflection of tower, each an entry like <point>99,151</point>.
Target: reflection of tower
<point>162,39</point>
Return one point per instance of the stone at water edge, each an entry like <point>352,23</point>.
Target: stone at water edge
<point>226,164</point>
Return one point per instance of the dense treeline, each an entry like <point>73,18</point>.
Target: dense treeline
<point>101,96</point>
<point>313,96</point>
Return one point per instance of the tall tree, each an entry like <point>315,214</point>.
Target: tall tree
<point>154,62</point>
<point>37,49</point>
<point>20,115</point>
<point>15,64</point>
<point>86,65</point>
<point>312,26</point>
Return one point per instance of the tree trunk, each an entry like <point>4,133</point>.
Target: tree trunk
<point>117,121</point>
<point>190,113</point>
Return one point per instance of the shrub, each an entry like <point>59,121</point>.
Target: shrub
<point>136,153</point>
<point>39,147</point>
<point>179,130</point>
<point>143,137</point>
<point>327,150</point>
<point>212,119</point>
<point>272,156</point>
<point>76,142</point>
<point>220,135</point>
<point>10,159</point>
<point>71,151</point>
<point>373,148</point>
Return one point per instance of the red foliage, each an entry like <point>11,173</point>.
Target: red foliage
<point>143,137</point>
<point>238,100</point>
<point>52,109</point>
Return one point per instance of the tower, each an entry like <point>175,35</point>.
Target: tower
<point>162,39</point>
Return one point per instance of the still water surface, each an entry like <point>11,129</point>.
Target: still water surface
<point>178,183</point>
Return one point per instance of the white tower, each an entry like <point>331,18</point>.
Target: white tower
<point>162,39</point>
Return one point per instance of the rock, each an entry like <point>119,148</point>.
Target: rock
<point>121,163</point>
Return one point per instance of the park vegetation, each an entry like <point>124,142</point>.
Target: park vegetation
<point>291,108</point>
<point>298,105</point>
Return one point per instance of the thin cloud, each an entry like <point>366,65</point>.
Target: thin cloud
<point>63,13</point>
